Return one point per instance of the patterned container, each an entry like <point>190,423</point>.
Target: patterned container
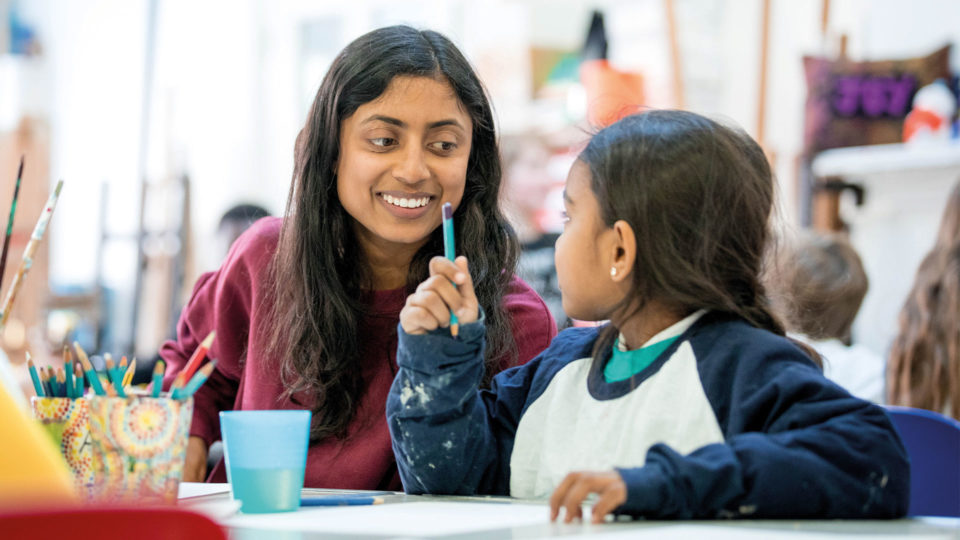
<point>67,421</point>
<point>138,447</point>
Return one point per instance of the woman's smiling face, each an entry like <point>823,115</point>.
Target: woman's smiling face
<point>402,156</point>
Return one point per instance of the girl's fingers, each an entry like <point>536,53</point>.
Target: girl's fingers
<point>611,497</point>
<point>560,493</point>
<point>575,497</point>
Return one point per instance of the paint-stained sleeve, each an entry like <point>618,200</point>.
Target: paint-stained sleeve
<point>797,446</point>
<point>448,437</point>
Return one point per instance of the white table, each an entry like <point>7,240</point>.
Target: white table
<point>467,518</point>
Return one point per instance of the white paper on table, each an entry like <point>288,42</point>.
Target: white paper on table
<point>416,519</point>
<point>198,489</point>
<point>667,531</point>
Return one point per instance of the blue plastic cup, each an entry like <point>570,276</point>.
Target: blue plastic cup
<point>266,456</point>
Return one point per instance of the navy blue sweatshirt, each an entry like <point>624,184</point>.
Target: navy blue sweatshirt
<point>729,421</point>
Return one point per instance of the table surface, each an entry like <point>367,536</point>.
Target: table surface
<point>215,500</point>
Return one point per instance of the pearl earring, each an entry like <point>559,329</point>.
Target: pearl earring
<point>613,271</point>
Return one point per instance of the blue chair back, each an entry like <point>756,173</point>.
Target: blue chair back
<point>933,445</point>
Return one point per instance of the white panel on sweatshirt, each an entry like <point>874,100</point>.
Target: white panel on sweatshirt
<point>566,429</point>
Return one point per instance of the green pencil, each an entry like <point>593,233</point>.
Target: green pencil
<point>195,382</point>
<point>88,370</point>
<point>78,378</point>
<point>52,379</point>
<point>114,375</point>
<point>37,386</point>
<point>68,372</point>
<point>450,252</point>
<point>157,379</point>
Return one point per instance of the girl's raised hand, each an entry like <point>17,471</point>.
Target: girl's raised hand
<point>428,308</point>
<point>577,485</point>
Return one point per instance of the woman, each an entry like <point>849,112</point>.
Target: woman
<point>306,308</point>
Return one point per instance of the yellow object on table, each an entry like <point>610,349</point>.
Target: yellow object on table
<point>32,471</point>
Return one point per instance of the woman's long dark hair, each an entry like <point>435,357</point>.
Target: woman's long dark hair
<point>699,197</point>
<point>319,268</point>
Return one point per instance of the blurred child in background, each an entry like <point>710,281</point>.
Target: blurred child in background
<point>821,286</point>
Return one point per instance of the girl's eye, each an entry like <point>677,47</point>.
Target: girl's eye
<point>565,217</point>
<point>383,142</point>
<point>443,146</point>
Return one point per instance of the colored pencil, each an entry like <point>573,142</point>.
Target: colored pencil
<point>88,370</point>
<point>198,355</point>
<point>78,378</point>
<point>340,501</point>
<point>131,369</point>
<point>45,382</point>
<point>37,387</point>
<point>13,210</point>
<point>52,379</point>
<point>62,383</point>
<point>27,260</point>
<point>157,379</point>
<point>115,377</point>
<point>450,252</point>
<point>68,372</point>
<point>195,382</point>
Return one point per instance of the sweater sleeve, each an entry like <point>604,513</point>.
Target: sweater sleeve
<point>449,438</point>
<point>532,324</point>
<point>221,301</point>
<point>799,447</point>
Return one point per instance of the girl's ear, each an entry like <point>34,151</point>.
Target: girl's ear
<point>625,251</point>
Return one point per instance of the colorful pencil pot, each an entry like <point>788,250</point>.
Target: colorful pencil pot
<point>138,446</point>
<point>67,422</point>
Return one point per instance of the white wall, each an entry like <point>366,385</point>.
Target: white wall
<point>233,81</point>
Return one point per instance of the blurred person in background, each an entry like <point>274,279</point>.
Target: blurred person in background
<point>924,366</point>
<point>821,284</point>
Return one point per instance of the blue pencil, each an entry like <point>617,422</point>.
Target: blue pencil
<point>340,501</point>
<point>450,252</point>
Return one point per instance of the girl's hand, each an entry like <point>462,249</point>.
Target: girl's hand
<point>429,307</point>
<point>195,463</point>
<point>577,485</point>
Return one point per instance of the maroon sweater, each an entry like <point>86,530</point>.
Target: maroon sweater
<point>247,377</point>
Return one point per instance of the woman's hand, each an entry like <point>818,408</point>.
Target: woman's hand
<point>195,464</point>
<point>577,485</point>
<point>429,307</point>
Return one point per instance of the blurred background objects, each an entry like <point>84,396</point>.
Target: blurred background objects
<point>160,115</point>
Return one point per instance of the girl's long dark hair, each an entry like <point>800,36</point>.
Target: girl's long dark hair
<point>319,269</point>
<point>699,198</point>
<point>924,366</point>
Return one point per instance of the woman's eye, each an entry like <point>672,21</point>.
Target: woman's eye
<point>383,142</point>
<point>444,146</point>
<point>564,216</point>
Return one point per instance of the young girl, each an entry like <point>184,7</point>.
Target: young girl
<point>305,308</point>
<point>691,403</point>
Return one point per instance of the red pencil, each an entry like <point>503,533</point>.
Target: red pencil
<point>194,362</point>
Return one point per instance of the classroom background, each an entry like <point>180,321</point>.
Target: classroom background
<point>163,115</point>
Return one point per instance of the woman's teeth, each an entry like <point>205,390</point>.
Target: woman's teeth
<point>406,203</point>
